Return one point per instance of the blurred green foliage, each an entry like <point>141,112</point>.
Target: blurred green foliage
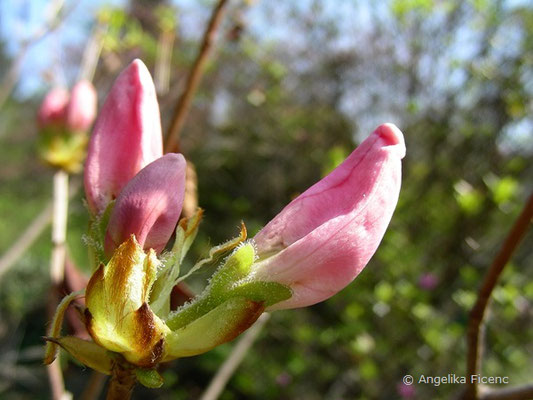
<point>272,116</point>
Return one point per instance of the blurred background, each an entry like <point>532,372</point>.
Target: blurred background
<point>289,91</point>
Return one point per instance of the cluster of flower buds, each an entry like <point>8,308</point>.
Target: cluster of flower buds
<point>63,121</point>
<point>311,250</point>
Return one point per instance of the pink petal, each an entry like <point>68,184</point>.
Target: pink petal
<point>321,241</point>
<point>81,108</point>
<point>150,205</point>
<point>53,107</point>
<point>126,136</point>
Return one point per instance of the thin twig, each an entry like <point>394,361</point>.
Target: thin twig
<point>195,75</point>
<point>163,60</point>
<point>57,385</point>
<point>31,234</point>
<point>57,269</point>
<point>59,227</point>
<point>28,237</point>
<point>91,54</point>
<point>475,323</point>
<point>225,372</point>
<point>513,393</point>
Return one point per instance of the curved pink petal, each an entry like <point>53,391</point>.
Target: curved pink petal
<point>53,107</point>
<point>81,108</point>
<point>149,205</point>
<point>126,136</point>
<point>323,239</point>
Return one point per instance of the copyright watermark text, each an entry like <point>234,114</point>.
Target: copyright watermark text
<point>451,379</point>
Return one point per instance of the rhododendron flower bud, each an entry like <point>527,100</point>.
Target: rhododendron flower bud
<point>53,108</point>
<point>149,205</point>
<point>118,316</point>
<point>126,136</point>
<point>62,144</point>
<point>323,239</point>
<point>81,108</point>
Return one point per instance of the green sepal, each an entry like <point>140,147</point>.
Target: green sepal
<point>168,275</point>
<point>216,252</point>
<point>220,325</point>
<point>191,311</point>
<point>97,230</point>
<point>237,266</point>
<point>55,327</point>
<point>86,352</point>
<point>149,378</point>
<point>228,282</point>
<point>269,293</point>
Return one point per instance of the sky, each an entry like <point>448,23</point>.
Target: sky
<point>19,19</point>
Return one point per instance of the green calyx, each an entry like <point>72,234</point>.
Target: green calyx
<point>63,149</point>
<point>96,236</point>
<point>230,281</point>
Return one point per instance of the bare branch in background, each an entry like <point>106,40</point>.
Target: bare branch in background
<point>475,324</point>
<point>57,384</point>
<point>193,80</point>
<point>28,237</point>
<point>57,270</point>
<point>163,61</point>
<point>225,372</point>
<point>31,234</point>
<point>91,54</point>
<point>513,393</point>
<point>59,227</point>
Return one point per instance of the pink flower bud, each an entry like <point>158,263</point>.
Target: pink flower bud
<point>53,108</point>
<point>149,205</point>
<point>126,136</point>
<point>323,239</point>
<point>81,108</point>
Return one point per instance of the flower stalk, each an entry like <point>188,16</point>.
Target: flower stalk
<point>57,267</point>
<point>121,383</point>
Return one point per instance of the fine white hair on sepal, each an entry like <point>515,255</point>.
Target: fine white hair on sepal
<point>245,243</point>
<point>89,241</point>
